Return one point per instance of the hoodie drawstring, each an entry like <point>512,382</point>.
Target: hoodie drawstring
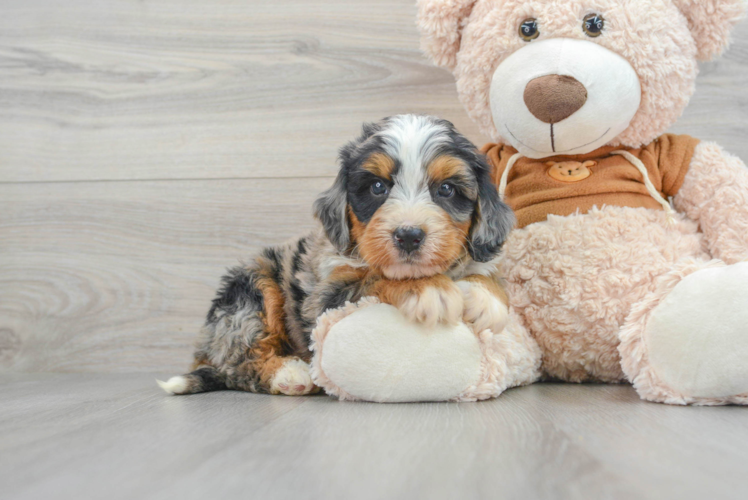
<point>648,182</point>
<point>636,162</point>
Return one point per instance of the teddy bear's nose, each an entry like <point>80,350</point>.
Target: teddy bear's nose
<point>554,98</point>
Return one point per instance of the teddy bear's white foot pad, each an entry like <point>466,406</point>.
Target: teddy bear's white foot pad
<point>376,354</point>
<point>697,337</point>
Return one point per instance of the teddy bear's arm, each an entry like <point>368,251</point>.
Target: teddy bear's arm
<point>715,194</point>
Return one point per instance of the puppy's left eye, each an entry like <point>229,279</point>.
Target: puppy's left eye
<point>593,25</point>
<point>379,188</point>
<point>446,190</point>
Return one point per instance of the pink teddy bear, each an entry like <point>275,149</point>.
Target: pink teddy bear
<point>608,280</point>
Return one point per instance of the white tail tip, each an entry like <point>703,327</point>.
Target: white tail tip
<point>175,385</point>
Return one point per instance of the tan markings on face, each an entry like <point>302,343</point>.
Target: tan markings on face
<point>445,240</point>
<point>445,167</point>
<point>358,230</point>
<point>373,240</point>
<point>380,165</point>
<point>454,242</point>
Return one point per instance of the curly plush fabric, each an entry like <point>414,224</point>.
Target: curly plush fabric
<point>443,22</point>
<point>715,193</point>
<point>324,323</point>
<point>636,348</point>
<point>511,358</point>
<point>662,40</point>
<point>712,38</point>
<point>574,280</point>
<point>587,284</point>
<point>451,363</point>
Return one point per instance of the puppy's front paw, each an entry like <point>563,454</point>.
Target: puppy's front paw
<point>482,308</point>
<point>433,305</point>
<point>292,379</point>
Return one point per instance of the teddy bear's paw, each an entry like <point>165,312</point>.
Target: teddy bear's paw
<point>292,379</point>
<point>697,337</point>
<point>482,309</point>
<point>433,305</point>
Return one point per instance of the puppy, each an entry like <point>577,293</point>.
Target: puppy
<point>413,219</point>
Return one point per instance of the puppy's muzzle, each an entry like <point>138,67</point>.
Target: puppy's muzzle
<point>409,239</point>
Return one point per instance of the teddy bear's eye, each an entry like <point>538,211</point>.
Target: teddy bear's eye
<point>593,25</point>
<point>528,30</point>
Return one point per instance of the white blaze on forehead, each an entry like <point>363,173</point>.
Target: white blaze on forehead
<point>414,141</point>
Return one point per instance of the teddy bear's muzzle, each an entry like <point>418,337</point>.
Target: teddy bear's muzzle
<point>563,96</point>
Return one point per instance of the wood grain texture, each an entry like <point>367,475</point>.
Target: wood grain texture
<point>119,275</point>
<point>119,437</point>
<point>147,145</point>
<point>95,89</point>
<point>170,89</point>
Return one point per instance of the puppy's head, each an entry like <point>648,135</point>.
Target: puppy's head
<point>412,198</point>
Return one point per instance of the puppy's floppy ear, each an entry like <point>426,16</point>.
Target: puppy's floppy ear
<point>710,22</point>
<point>330,210</point>
<point>440,23</point>
<point>492,222</point>
<point>332,205</point>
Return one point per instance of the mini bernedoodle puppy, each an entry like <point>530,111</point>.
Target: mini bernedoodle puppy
<point>413,219</point>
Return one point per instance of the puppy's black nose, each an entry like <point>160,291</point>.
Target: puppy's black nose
<point>409,238</point>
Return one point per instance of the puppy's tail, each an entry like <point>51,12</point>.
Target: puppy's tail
<point>203,379</point>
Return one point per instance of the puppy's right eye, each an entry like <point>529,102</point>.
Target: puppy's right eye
<point>446,190</point>
<point>528,30</point>
<point>379,188</point>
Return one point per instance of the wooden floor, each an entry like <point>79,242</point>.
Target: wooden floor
<point>118,437</point>
<point>146,145</point>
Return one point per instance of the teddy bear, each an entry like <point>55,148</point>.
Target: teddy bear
<point>629,259</point>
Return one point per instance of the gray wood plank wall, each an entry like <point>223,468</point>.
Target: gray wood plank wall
<point>147,145</point>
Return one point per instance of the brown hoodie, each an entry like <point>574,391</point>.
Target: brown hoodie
<point>563,185</point>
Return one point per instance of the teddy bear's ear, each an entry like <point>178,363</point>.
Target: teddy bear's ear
<point>710,22</point>
<point>440,23</point>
